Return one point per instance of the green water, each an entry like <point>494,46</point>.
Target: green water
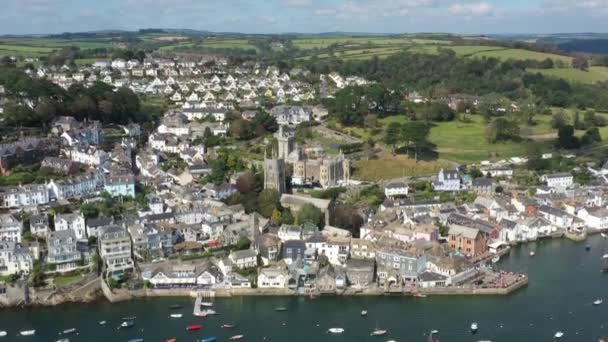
<point>564,281</point>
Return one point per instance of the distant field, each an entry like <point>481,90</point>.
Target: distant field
<point>389,166</point>
<point>492,51</point>
<point>21,50</point>
<point>228,44</point>
<point>594,75</point>
<point>320,43</point>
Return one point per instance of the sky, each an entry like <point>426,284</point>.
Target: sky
<point>306,16</point>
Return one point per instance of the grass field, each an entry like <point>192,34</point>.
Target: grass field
<point>594,75</point>
<point>492,51</point>
<point>61,281</point>
<point>229,44</point>
<point>389,166</point>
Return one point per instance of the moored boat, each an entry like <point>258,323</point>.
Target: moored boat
<point>280,309</point>
<point>129,318</point>
<point>558,334</point>
<point>532,253</point>
<point>136,340</point>
<point>127,324</point>
<point>171,340</point>
<point>3,333</point>
<point>336,331</point>
<point>27,332</point>
<point>177,315</point>
<point>208,312</point>
<point>193,327</point>
<point>598,301</point>
<point>209,339</point>
<point>419,295</point>
<point>102,322</point>
<point>207,304</point>
<point>69,331</point>
<point>364,313</point>
<point>378,332</point>
<point>588,248</point>
<point>604,235</point>
<point>495,259</point>
<point>474,328</point>
<point>228,326</point>
<point>236,337</point>
<point>63,340</point>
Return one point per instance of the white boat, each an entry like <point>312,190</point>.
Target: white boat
<point>236,337</point>
<point>378,332</point>
<point>207,304</point>
<point>364,313</point>
<point>27,332</point>
<point>605,256</point>
<point>495,259</point>
<point>178,315</point>
<point>558,334</point>
<point>208,312</point>
<point>69,331</point>
<point>474,327</point>
<point>336,331</point>
<point>63,340</point>
<point>598,301</point>
<point>604,235</point>
<point>2,333</point>
<point>532,254</point>
<point>102,322</point>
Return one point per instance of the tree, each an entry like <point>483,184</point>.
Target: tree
<point>558,120</point>
<point>346,217</point>
<point>268,201</point>
<point>89,210</point>
<point>267,121</point>
<point>276,217</point>
<point>591,136</point>
<point>287,216</point>
<point>241,129</point>
<point>393,135</point>
<point>580,62</point>
<point>566,138</point>
<point>247,182</point>
<point>535,157</point>
<point>501,129</point>
<point>308,213</point>
<point>243,243</point>
<point>415,133</point>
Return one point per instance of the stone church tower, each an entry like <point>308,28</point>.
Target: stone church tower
<point>274,175</point>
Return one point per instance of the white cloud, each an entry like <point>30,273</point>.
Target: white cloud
<point>296,3</point>
<point>471,9</point>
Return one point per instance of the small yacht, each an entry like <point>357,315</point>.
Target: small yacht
<point>69,331</point>
<point>364,313</point>
<point>63,340</point>
<point>209,339</point>
<point>588,248</point>
<point>127,324</point>
<point>598,301</point>
<point>532,253</point>
<point>336,331</point>
<point>280,309</point>
<point>27,332</point>
<point>102,322</point>
<point>3,333</point>
<point>207,304</point>
<point>378,332</point>
<point>474,328</point>
<point>604,235</point>
<point>176,315</point>
<point>193,327</point>
<point>558,334</point>
<point>236,337</point>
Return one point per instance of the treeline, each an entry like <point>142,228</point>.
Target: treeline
<point>37,102</point>
<point>445,73</point>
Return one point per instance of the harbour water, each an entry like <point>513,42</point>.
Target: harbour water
<point>564,281</point>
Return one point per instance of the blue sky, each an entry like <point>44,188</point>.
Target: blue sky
<point>307,16</point>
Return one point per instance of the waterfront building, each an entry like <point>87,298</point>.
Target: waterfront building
<point>273,277</point>
<point>468,241</point>
<point>63,252</point>
<point>115,250</point>
<point>14,259</point>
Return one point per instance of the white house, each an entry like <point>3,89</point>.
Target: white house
<point>558,180</point>
<point>447,180</point>
<point>74,222</point>
<point>14,259</point>
<point>273,277</point>
<point>396,189</point>
<point>596,218</point>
